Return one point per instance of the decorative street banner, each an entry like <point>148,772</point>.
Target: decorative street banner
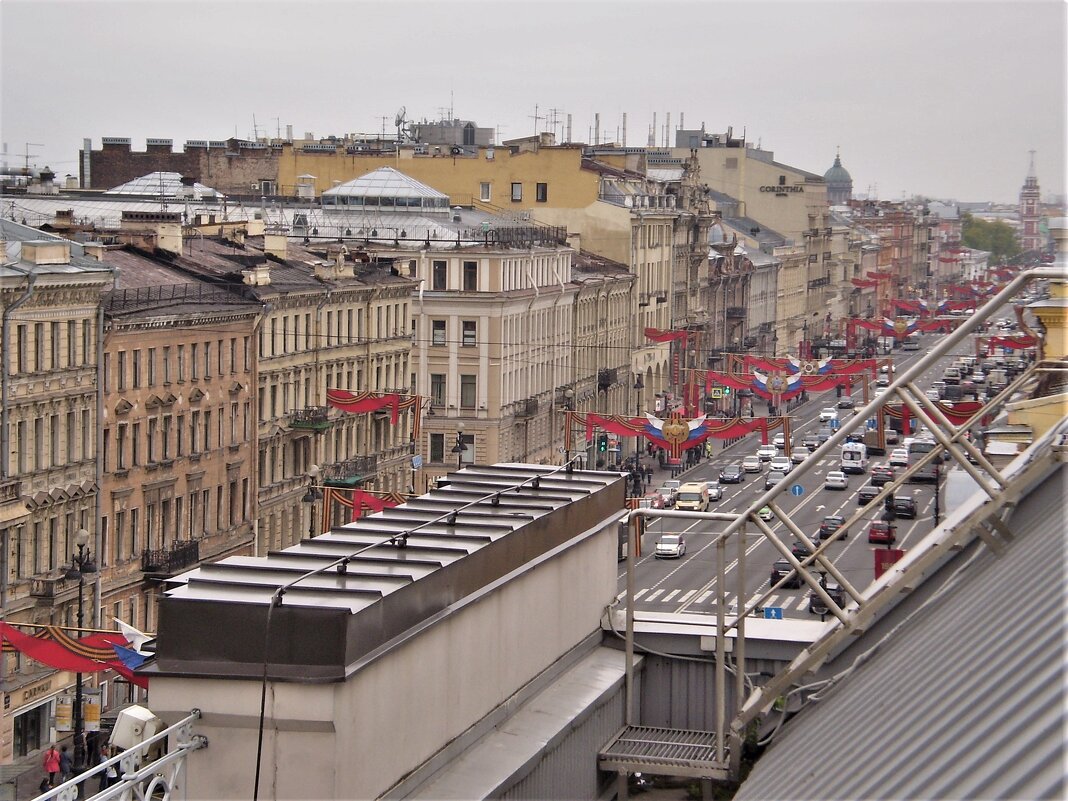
<point>745,364</point>
<point>368,402</point>
<point>955,305</point>
<point>864,283</point>
<point>657,335</point>
<point>910,306</point>
<point>52,646</point>
<point>957,412</point>
<point>900,327</point>
<point>880,275</point>
<point>1015,342</point>
<point>356,501</point>
<point>675,434</point>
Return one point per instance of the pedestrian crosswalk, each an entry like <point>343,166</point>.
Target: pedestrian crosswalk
<point>706,599</point>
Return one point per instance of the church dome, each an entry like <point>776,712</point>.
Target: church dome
<point>837,174</point>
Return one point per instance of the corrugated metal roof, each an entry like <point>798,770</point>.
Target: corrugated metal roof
<point>966,700</point>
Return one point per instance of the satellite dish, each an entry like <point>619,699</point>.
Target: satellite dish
<point>399,119</point>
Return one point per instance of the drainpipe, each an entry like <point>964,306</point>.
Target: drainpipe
<point>254,393</point>
<point>99,539</point>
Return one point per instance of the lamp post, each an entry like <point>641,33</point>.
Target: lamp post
<point>459,447</point>
<point>569,405</point>
<point>311,496</point>
<point>81,562</point>
<point>639,385</point>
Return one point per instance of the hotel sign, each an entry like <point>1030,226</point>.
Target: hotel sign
<point>782,190</point>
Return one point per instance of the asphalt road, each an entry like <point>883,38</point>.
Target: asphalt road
<point>689,584</point>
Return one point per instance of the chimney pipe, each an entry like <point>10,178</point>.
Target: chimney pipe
<point>624,129</point>
<point>597,129</point>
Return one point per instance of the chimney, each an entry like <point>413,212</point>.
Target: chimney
<point>275,244</point>
<point>3,250</point>
<point>260,275</point>
<point>289,133</point>
<point>574,241</point>
<point>94,250</point>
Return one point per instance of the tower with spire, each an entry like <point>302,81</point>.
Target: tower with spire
<point>839,182</point>
<point>1030,237</point>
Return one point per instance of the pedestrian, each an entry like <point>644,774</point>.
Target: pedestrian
<point>51,764</point>
<point>109,774</point>
<point>648,476</point>
<point>65,765</point>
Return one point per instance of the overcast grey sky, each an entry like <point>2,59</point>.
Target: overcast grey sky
<point>937,98</point>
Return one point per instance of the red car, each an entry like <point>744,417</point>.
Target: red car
<point>881,532</point>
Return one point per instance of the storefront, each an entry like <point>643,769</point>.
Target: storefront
<point>29,714</point>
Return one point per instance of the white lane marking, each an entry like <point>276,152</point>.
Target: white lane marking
<point>788,602</point>
<point>654,595</point>
<point>639,593</point>
<point>703,597</point>
<point>669,596</point>
<point>686,596</point>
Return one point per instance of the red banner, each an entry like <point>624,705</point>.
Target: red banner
<point>956,412</point>
<point>89,654</point>
<point>675,434</point>
<point>657,335</point>
<point>863,283</point>
<point>1016,343</point>
<point>879,275</point>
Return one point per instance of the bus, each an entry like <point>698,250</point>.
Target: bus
<point>912,342</point>
<point>917,449</point>
<point>854,457</point>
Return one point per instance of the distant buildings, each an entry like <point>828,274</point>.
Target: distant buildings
<point>1031,239</point>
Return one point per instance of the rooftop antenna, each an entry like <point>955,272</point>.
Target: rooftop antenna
<point>554,119</point>
<point>28,155</point>
<point>536,117</point>
<point>384,117</point>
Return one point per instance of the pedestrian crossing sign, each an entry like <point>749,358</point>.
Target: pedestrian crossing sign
<point>715,392</point>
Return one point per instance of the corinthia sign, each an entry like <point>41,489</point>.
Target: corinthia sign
<point>782,189</point>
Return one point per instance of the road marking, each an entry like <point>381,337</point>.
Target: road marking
<point>686,596</point>
<point>703,597</point>
<point>639,593</point>
<point>669,596</point>
<point>654,595</point>
<point>787,602</point>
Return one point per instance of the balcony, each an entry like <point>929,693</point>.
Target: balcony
<point>351,472</point>
<point>10,490</point>
<point>167,561</point>
<point>45,589</point>
<point>528,407</point>
<point>736,312</point>
<point>311,418</point>
<point>816,283</point>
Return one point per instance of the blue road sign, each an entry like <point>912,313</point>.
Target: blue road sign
<point>834,423</point>
<point>797,489</point>
<point>773,613</point>
<point>872,424</point>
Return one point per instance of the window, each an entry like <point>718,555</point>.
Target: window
<point>437,389</point>
<point>468,456</point>
<point>437,332</point>
<point>55,345</point>
<point>120,446</point>
<point>470,333</point>
<point>207,358</point>
<point>541,193</point>
<point>233,356</point>
<point>107,445</point>
<point>136,369</point>
<point>53,440</point>
<point>72,440</point>
<point>193,358</point>
<point>152,367</point>
<point>439,278</point>
<point>468,386</point>
<point>72,343</point>
<point>165,436</point>
<point>470,276</point>
<point>135,439</point>
<point>181,363</point>
<point>437,447</point>
<point>484,191</point>
<point>782,180</point>
<point>21,337</point>
<point>153,452</point>
<point>517,192</point>
<point>38,346</point>
<point>166,365</point>
<point>179,447</point>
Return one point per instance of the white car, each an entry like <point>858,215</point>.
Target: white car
<point>670,546</point>
<point>836,479</point>
<point>767,452</point>
<point>899,457</point>
<point>933,394</point>
<point>779,441</point>
<point>798,455</point>
<point>782,463</point>
<point>751,464</point>
<point>828,414</point>
<point>715,490</point>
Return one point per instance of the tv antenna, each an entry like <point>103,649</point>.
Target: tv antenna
<point>28,155</point>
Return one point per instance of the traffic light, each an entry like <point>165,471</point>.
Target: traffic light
<point>602,443</point>
<point>726,391</point>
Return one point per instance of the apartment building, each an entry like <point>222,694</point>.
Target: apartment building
<point>50,294</point>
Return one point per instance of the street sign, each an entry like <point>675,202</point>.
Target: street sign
<point>417,462</point>
<point>715,392</point>
<point>773,613</point>
<point>872,424</point>
<point>834,423</point>
<point>797,489</point>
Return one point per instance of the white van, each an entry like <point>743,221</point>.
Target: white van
<point>854,457</point>
<point>692,497</point>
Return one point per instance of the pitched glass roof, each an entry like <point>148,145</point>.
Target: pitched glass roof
<point>161,184</point>
<point>386,182</point>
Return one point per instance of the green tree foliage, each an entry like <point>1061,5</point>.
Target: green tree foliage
<point>994,236</point>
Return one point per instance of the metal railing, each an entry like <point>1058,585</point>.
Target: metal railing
<point>181,554</point>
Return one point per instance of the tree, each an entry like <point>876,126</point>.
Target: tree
<point>994,236</point>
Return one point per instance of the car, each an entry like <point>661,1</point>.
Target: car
<point>732,474</point>
<point>899,457</point>
<point>773,477</point>
<point>892,437</point>
<point>670,546</point>
<point>823,434</point>
<point>846,403</point>
<point>828,414</point>
<point>781,463</point>
<point>800,551</point>
<point>673,484</point>
<point>882,474</point>
<point>933,394</point>
<point>715,490</point>
<point>905,506</point>
<point>779,441</point>
<point>657,501</point>
<point>817,606</point>
<point>767,452</point>
<point>938,385</point>
<point>798,455</point>
<point>836,479</point>
<point>781,568</point>
<point>668,494</point>
<point>881,532</point>
<point>882,381</point>
<point>765,513</point>
<point>867,493</point>
<point>810,441</point>
<point>832,525</point>
<point>751,464</point>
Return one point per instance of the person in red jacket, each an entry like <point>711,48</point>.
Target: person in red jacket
<point>51,764</point>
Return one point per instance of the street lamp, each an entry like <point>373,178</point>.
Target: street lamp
<point>81,562</point>
<point>459,447</point>
<point>311,496</point>
<point>569,405</point>
<point>639,385</point>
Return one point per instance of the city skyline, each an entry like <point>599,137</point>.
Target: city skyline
<point>943,99</point>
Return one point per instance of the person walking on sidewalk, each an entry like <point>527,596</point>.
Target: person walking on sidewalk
<point>66,767</point>
<point>51,764</point>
